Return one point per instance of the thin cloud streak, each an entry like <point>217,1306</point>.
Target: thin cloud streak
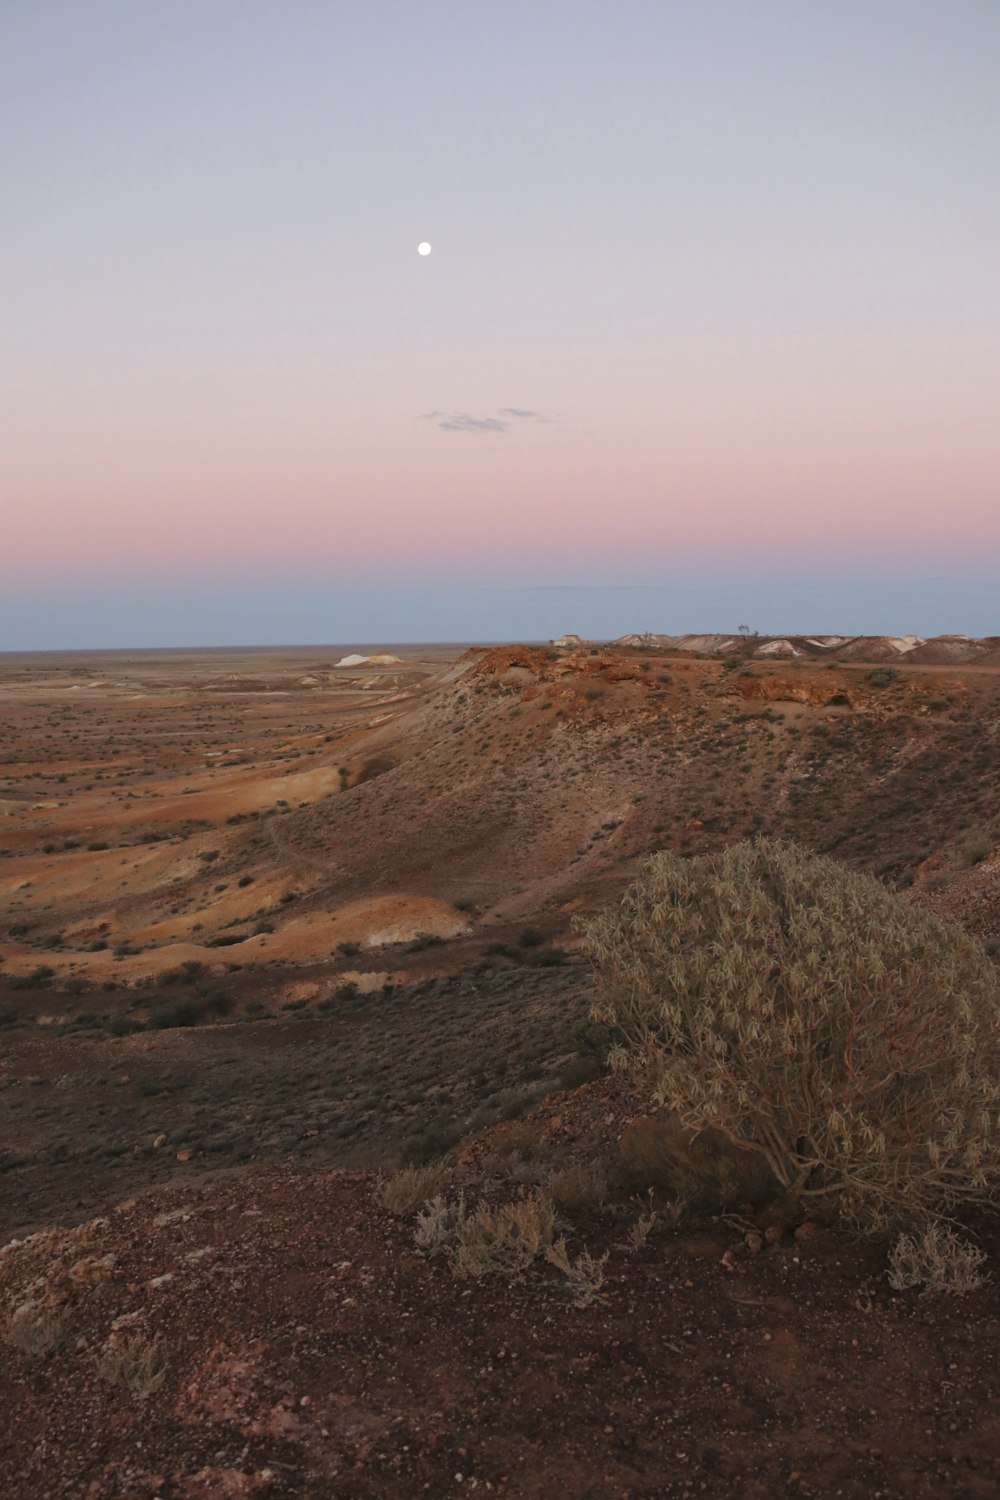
<point>463,421</point>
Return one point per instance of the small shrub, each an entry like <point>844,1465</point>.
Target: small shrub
<point>437,1224</point>
<point>349,950</point>
<point>882,677</point>
<point>137,1365</point>
<point>656,1214</point>
<point>119,1025</point>
<point>974,848</point>
<point>517,1138</point>
<point>376,765</point>
<point>36,1331</point>
<point>577,1071</point>
<point>424,940</point>
<point>585,1275</point>
<point>937,1259</point>
<point>428,1145</point>
<point>404,1192</point>
<point>39,979</point>
<point>591,1039</point>
<point>186,1012</point>
<point>503,950</point>
<point>578,1188</point>
<point>641,1229</point>
<point>502,1241</point>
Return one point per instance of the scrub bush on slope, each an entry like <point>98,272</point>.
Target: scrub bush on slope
<point>812,1016</point>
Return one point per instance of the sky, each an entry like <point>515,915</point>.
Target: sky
<point>709,333</point>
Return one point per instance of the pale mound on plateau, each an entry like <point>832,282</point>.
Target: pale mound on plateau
<point>380,659</point>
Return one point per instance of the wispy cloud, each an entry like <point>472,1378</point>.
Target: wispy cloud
<point>463,421</point>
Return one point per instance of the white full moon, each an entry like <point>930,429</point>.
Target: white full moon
<point>423,248</point>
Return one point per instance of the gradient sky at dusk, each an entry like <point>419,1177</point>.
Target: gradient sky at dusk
<point>710,332</point>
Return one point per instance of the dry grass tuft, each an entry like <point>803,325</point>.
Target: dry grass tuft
<point>937,1259</point>
<point>503,1241</point>
<point>585,1275</point>
<point>516,1138</point>
<point>404,1192</point>
<point>578,1188</point>
<point>500,1241</point>
<point>136,1364</point>
<point>438,1224</point>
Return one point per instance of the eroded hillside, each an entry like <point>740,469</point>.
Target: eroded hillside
<point>268,865</point>
<point>268,917</point>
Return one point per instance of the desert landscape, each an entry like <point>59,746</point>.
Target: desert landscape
<point>543,1039</point>
<point>291,952</point>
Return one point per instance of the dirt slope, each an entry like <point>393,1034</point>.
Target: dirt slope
<point>305,1349</point>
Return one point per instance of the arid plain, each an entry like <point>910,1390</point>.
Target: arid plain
<point>273,926</point>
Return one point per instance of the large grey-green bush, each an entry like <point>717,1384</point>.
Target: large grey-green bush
<point>812,1016</point>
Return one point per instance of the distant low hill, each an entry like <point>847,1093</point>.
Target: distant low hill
<point>939,650</point>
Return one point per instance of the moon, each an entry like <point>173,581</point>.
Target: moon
<point>423,248</point>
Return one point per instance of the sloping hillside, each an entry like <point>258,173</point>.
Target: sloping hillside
<point>538,778</point>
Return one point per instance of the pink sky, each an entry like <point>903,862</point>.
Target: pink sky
<point>740,268</point>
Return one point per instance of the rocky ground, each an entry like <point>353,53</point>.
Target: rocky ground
<point>279,1335</point>
<point>272,926</point>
